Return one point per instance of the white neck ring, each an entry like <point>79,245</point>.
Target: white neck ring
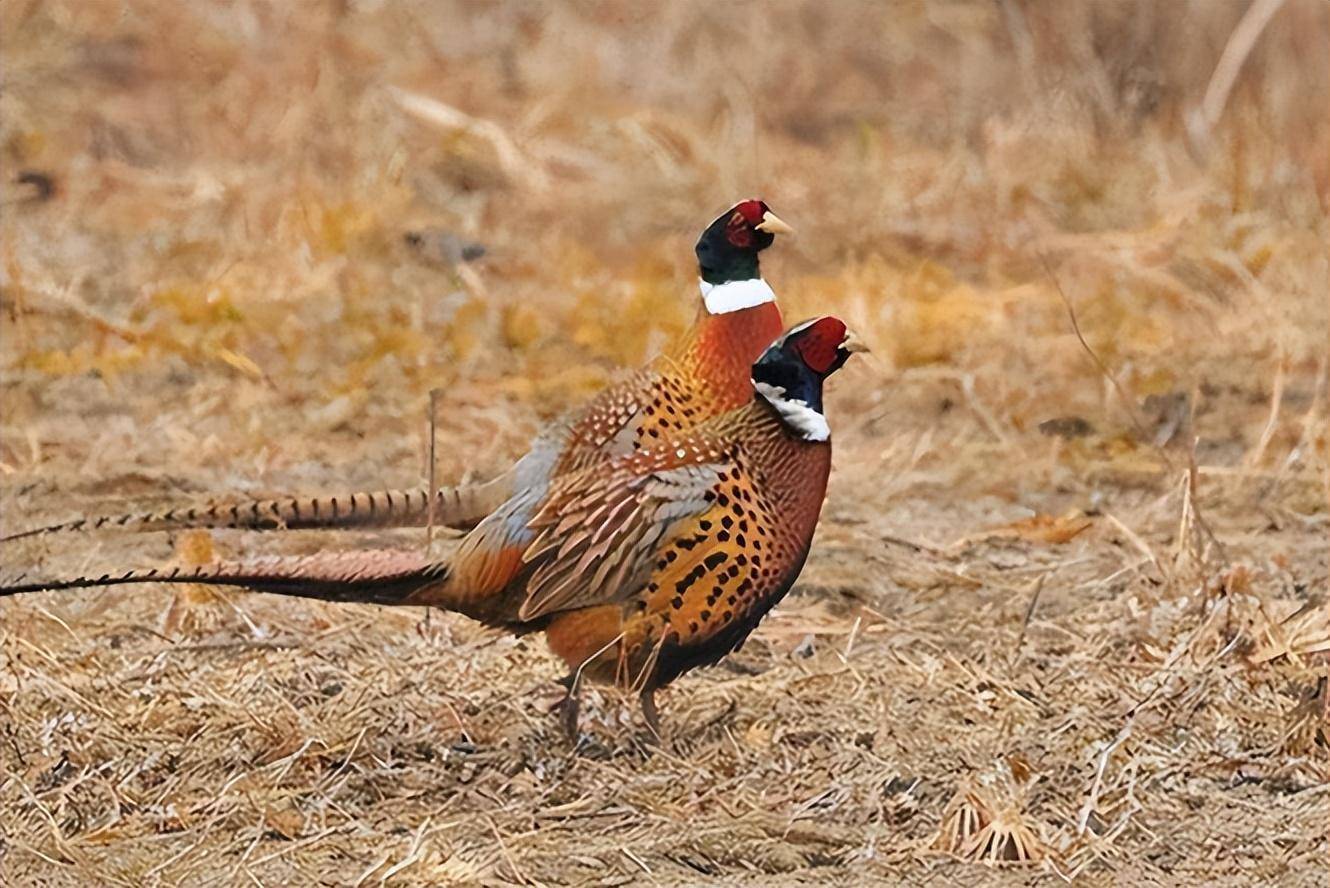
<point>735,295</point>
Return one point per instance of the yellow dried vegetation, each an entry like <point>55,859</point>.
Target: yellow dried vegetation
<point>975,827</point>
<point>1078,513</point>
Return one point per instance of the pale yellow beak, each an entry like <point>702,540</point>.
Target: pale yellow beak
<point>773,224</point>
<point>853,344</point>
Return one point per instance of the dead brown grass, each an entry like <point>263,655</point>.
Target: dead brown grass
<point>1067,612</point>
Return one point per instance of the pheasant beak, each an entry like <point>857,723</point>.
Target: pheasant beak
<point>773,224</point>
<point>853,344</point>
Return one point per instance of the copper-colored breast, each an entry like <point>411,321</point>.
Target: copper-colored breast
<point>717,573</point>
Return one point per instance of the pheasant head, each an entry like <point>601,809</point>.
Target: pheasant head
<point>727,256</point>
<point>790,373</point>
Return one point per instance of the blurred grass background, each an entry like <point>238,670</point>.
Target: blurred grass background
<point>230,250</point>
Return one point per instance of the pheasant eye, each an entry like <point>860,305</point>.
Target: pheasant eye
<point>819,342</point>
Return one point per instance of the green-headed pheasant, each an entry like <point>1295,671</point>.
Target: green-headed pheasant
<point>637,569</point>
<point>706,374</point>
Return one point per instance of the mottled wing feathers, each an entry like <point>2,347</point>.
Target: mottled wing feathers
<point>648,408</point>
<point>489,562</point>
<point>598,533</point>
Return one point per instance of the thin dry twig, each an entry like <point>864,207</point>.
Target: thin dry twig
<point>434,394</point>
<point>1253,457</point>
<point>1092,800</point>
<point>1202,120</point>
<point>1125,399</point>
<point>1029,610</point>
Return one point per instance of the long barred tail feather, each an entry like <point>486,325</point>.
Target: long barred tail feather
<point>458,507</point>
<point>372,577</point>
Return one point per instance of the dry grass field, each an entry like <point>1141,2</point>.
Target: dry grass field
<point>1067,617</point>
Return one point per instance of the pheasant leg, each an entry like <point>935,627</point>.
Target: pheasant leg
<point>569,707</point>
<point>649,714</point>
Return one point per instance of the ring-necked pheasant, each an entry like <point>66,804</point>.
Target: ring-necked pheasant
<point>638,569</point>
<point>705,375</point>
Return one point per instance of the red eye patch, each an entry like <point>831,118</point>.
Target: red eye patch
<point>744,218</point>
<point>739,232</point>
<point>818,342</point>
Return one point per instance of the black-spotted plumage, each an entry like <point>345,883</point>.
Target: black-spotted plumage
<point>637,569</point>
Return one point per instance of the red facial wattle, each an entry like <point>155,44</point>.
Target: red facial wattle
<point>738,232</point>
<point>743,222</point>
<point>818,344</point>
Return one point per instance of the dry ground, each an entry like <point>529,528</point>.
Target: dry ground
<point>1067,613</point>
